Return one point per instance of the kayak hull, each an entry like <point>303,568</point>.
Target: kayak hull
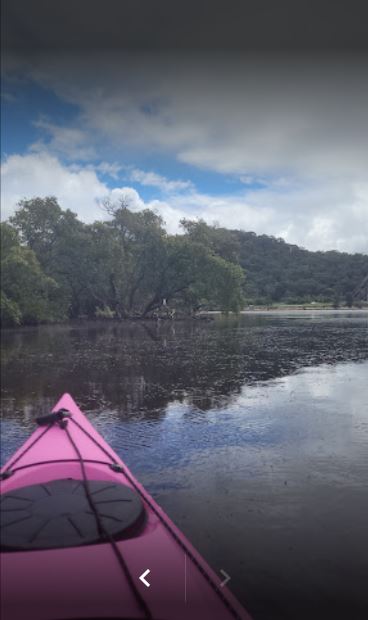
<point>86,581</point>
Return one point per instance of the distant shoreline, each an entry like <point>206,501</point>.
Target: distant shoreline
<point>306,308</point>
<point>281,309</point>
<point>204,315</point>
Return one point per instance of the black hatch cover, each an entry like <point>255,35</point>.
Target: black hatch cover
<point>57,514</point>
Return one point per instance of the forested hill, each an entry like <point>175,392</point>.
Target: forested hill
<point>280,272</point>
<point>55,267</point>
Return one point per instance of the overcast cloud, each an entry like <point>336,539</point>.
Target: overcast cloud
<point>228,112</point>
<point>297,124</point>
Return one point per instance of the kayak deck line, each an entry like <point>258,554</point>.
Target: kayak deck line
<point>10,472</point>
<point>102,529</point>
<point>150,544</point>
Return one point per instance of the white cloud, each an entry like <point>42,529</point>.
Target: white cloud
<point>156,180</point>
<point>323,217</point>
<point>68,141</point>
<point>316,217</point>
<point>76,188</point>
<point>129,196</point>
<point>41,174</point>
<point>107,168</point>
<point>319,218</point>
<point>111,169</point>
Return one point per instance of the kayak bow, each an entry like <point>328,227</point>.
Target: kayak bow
<point>82,538</point>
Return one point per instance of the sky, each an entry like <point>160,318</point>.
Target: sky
<point>254,118</point>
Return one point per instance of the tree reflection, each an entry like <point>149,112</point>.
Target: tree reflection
<point>138,368</point>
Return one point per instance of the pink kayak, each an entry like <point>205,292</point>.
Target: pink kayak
<point>81,538</point>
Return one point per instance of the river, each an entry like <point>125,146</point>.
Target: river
<point>251,432</point>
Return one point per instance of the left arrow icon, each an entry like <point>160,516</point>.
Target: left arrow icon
<point>142,577</point>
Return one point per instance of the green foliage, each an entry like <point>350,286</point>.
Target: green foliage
<point>151,268</point>
<point>62,245</point>
<point>220,241</point>
<point>37,222</point>
<point>127,266</point>
<point>28,295</point>
<point>139,259</point>
<point>10,311</point>
<point>54,267</point>
<point>221,283</point>
<point>227,284</point>
<point>281,272</point>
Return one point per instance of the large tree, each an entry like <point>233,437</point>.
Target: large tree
<point>62,245</point>
<point>27,294</point>
<point>157,268</point>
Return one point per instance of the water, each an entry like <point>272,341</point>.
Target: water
<point>252,434</point>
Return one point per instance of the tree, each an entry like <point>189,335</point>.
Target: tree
<point>139,242</point>
<point>220,241</point>
<point>10,312</point>
<point>62,246</point>
<point>155,268</point>
<point>27,294</point>
<point>37,221</point>
<point>209,280</point>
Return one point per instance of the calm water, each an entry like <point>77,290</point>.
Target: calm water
<point>252,433</point>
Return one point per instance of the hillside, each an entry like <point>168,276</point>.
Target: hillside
<point>277,271</point>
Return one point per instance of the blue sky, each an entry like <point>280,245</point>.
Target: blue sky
<point>257,144</point>
<point>26,105</point>
<point>23,103</point>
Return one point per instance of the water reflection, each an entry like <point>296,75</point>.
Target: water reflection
<point>138,368</point>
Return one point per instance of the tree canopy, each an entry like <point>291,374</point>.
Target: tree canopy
<point>56,267</point>
<point>127,266</point>
<point>28,295</point>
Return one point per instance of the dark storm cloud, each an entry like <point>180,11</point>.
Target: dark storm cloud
<point>260,25</point>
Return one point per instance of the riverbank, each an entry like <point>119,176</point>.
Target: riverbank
<point>205,315</point>
<point>312,306</point>
<point>305,309</point>
<point>290,309</point>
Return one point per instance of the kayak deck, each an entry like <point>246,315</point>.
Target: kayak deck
<point>97,575</point>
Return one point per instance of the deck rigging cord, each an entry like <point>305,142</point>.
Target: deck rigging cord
<point>101,528</point>
<point>62,417</point>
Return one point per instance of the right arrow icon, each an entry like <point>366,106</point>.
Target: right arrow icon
<point>227,578</point>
